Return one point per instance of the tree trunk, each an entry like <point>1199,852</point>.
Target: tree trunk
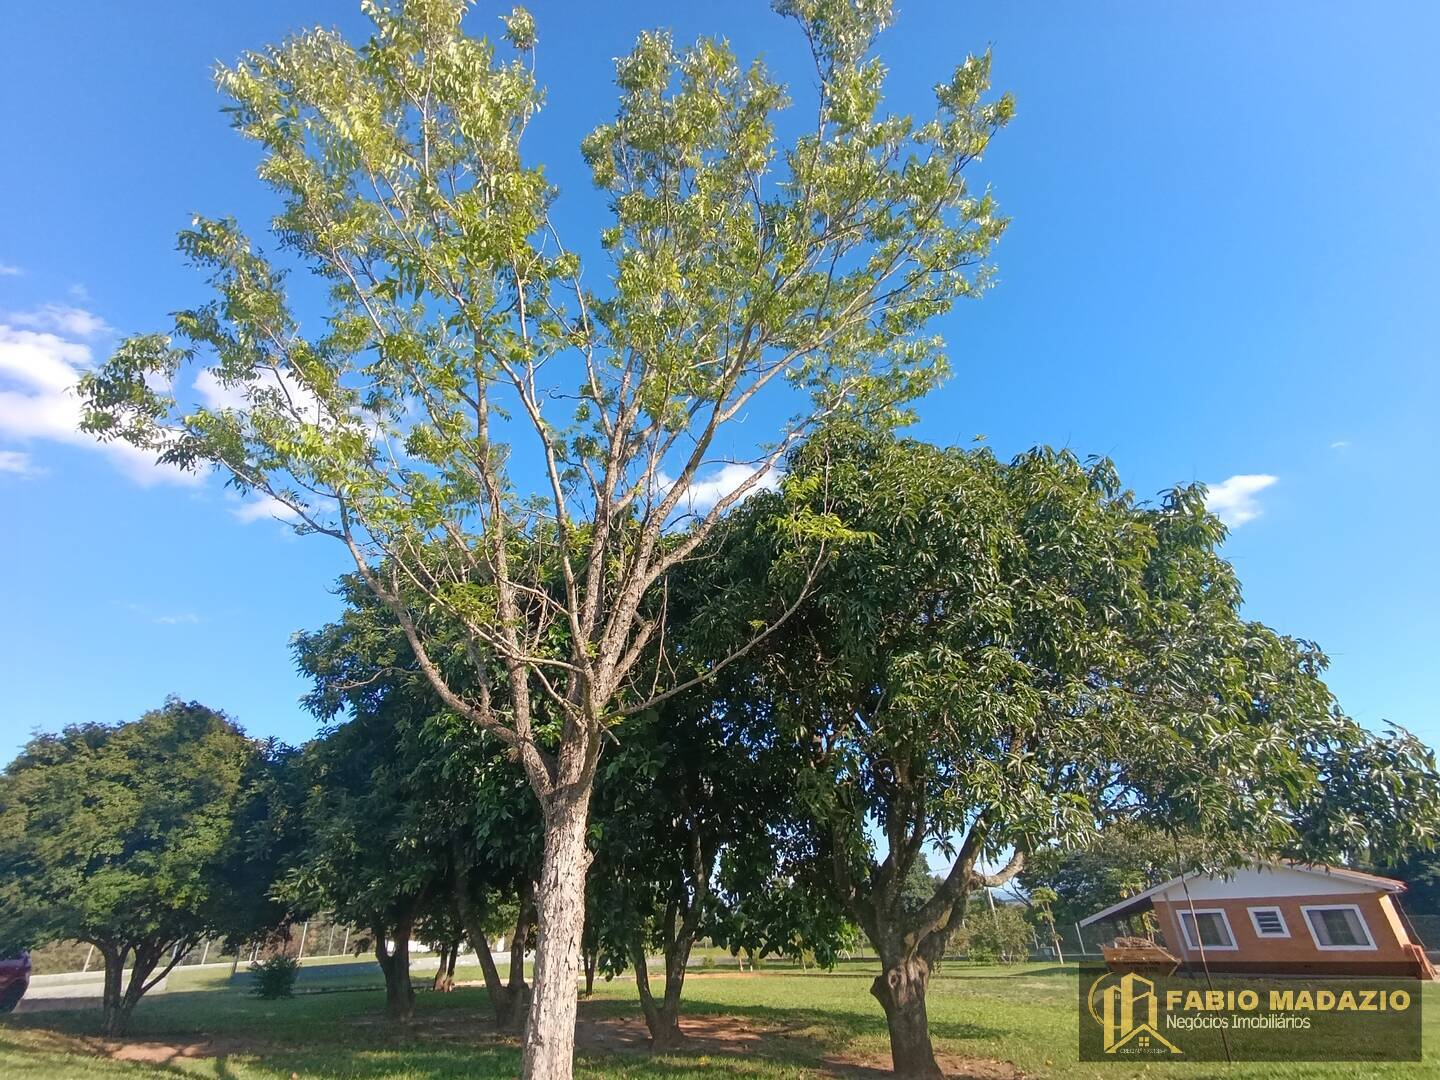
<point>140,970</point>
<point>900,989</point>
<point>498,993</point>
<point>119,998</point>
<point>516,1008</point>
<point>677,962</point>
<point>112,1022</point>
<point>591,958</point>
<point>444,980</point>
<point>662,1018</point>
<point>399,991</point>
<point>471,917</point>
<point>560,906</point>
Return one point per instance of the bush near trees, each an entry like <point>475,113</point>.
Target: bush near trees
<point>1003,934</point>
<point>140,839</point>
<point>274,977</point>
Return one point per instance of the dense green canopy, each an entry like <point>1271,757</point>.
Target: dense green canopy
<point>997,656</point>
<point>140,839</point>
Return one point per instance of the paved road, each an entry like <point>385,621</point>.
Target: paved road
<point>84,990</point>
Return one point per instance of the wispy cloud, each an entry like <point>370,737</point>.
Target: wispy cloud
<point>1234,501</point>
<point>10,270</point>
<point>62,319</point>
<point>16,463</point>
<point>261,508</point>
<point>178,618</point>
<point>184,618</point>
<point>1340,444</point>
<point>38,400</point>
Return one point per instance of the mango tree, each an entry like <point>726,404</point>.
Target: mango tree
<point>1005,655</point>
<point>414,816</point>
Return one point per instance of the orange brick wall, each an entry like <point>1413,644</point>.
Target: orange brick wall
<point>1299,948</point>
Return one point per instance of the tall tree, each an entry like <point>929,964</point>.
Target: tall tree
<point>138,839</point>
<point>1003,655</point>
<point>462,365</point>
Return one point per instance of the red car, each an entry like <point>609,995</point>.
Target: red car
<point>14,981</point>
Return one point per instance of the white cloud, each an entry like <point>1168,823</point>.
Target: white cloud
<point>1340,444</point>
<point>10,270</point>
<point>76,322</point>
<point>262,508</point>
<point>216,396</point>
<point>1234,501</point>
<point>38,402</point>
<point>706,491</point>
<point>16,463</point>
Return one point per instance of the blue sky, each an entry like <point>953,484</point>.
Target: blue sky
<point>1221,266</point>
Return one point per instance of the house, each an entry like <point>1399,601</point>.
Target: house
<point>1281,918</point>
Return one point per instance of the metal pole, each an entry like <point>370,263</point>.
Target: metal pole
<point>330,945</point>
<point>205,953</point>
<point>304,933</point>
<point>88,955</point>
<point>345,948</point>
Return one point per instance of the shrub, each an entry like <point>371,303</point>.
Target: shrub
<point>275,977</point>
<point>1000,936</point>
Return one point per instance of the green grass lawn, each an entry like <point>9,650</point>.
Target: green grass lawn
<point>809,1024</point>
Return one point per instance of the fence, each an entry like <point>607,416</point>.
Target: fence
<point>319,936</point>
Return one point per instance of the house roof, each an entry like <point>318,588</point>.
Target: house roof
<point>1142,901</point>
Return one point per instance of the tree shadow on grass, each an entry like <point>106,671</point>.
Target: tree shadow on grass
<point>198,1033</point>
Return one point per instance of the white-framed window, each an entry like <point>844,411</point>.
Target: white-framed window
<point>1338,927</point>
<point>1269,922</point>
<point>1209,927</point>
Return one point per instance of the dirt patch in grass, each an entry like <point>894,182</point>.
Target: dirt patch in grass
<point>953,1066</point>
<point>163,1053</point>
<point>703,1034</point>
<point>735,1035</point>
<point>151,1051</point>
<point>718,1035</point>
